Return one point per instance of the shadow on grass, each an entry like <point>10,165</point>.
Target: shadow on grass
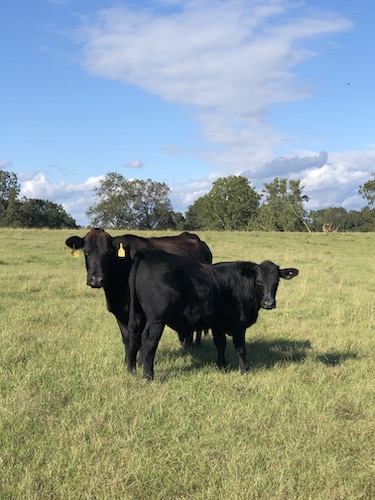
<point>336,358</point>
<point>260,354</point>
<point>263,354</point>
<point>266,354</point>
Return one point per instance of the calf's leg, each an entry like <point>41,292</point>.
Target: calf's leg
<point>220,342</point>
<point>239,344</point>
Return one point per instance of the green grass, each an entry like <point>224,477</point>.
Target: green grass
<point>300,425</point>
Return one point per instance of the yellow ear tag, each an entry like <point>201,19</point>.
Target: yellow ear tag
<point>121,251</point>
<point>74,252</point>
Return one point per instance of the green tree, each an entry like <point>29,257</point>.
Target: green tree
<point>283,208</point>
<point>335,216</point>
<point>367,190</point>
<point>229,206</point>
<point>113,209</point>
<point>178,221</point>
<point>43,213</point>
<point>133,204</point>
<point>9,192</point>
<point>198,215</point>
<point>9,185</point>
<point>152,207</point>
<point>364,219</point>
<point>28,212</point>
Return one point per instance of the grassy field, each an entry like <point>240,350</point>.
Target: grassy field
<point>300,425</point>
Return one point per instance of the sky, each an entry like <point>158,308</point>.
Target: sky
<point>186,92</point>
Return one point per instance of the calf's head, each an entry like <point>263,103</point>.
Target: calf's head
<point>268,277</point>
<point>100,251</point>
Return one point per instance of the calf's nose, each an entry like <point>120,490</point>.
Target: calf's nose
<point>268,303</point>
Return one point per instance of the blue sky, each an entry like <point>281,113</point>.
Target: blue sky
<point>185,92</point>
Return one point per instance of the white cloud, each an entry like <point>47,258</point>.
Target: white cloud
<point>5,164</point>
<point>336,183</point>
<point>228,60</point>
<point>75,198</point>
<point>184,195</point>
<point>281,167</point>
<point>328,179</point>
<point>134,164</point>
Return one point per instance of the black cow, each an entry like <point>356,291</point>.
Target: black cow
<point>105,269</point>
<point>188,296</point>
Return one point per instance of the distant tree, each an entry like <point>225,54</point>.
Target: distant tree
<point>177,221</point>
<point>198,215</point>
<point>133,204</point>
<point>367,190</point>
<point>343,220</point>
<point>152,207</point>
<point>364,220</point>
<point>283,206</point>
<point>113,209</point>
<point>9,185</point>
<point>28,212</point>
<point>337,216</point>
<point>43,213</point>
<point>229,206</point>
<point>9,192</point>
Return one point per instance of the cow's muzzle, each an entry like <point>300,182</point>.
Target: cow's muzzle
<point>95,281</point>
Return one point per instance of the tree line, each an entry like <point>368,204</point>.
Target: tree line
<point>28,213</point>
<point>232,204</point>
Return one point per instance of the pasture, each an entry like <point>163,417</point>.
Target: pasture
<point>300,425</point>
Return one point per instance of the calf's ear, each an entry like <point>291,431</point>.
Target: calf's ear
<point>75,242</point>
<point>288,273</point>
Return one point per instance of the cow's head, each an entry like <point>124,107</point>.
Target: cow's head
<point>268,276</point>
<point>101,252</point>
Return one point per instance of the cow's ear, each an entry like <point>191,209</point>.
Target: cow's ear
<point>120,243</point>
<point>288,273</point>
<point>75,242</point>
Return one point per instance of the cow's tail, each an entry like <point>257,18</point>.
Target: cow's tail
<point>133,324</point>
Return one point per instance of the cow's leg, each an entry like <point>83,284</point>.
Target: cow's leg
<point>198,338</point>
<point>125,337</point>
<point>134,348</point>
<point>140,356</point>
<point>150,339</point>
<point>188,337</point>
<point>181,337</point>
<point>126,341</point>
<point>220,343</point>
<point>185,337</point>
<point>239,344</point>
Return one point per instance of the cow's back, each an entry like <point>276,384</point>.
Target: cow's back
<point>186,244</point>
